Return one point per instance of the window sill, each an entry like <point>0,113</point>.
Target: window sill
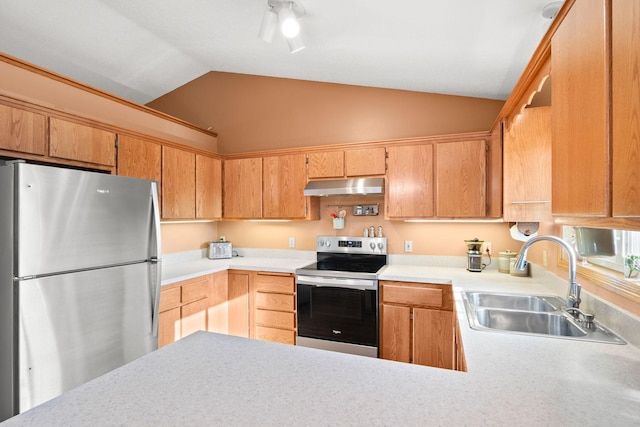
<point>607,279</point>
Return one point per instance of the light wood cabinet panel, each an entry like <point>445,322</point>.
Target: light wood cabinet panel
<point>275,283</point>
<point>365,162</point>
<point>218,312</point>
<point>242,188</point>
<point>271,301</point>
<point>410,186</point>
<point>283,185</point>
<point>527,167</point>
<point>395,333</point>
<point>326,164</point>
<point>178,183</point>
<point>194,317</point>
<point>139,158</point>
<point>626,107</point>
<point>195,289</point>
<point>22,131</point>
<point>170,298</point>
<point>238,304</point>
<point>275,319</point>
<point>580,89</point>
<point>275,335</point>
<point>208,187</point>
<point>461,180</point>
<point>74,141</point>
<point>398,294</point>
<point>433,338</point>
<point>168,326</point>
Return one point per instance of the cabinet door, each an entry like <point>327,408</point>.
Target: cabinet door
<point>208,187</point>
<point>239,304</point>
<point>395,336</point>
<point>194,317</point>
<point>139,158</point>
<point>433,338</point>
<point>178,183</point>
<point>326,164</point>
<point>579,96</point>
<point>365,162</point>
<point>410,182</point>
<point>168,326</point>
<point>626,107</point>
<point>22,131</point>
<point>74,141</point>
<point>283,184</point>
<point>242,188</point>
<point>461,179</point>
<point>527,167</point>
<point>218,313</point>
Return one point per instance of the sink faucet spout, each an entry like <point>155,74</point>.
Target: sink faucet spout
<point>573,296</point>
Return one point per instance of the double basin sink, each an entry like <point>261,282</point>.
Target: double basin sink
<point>539,315</point>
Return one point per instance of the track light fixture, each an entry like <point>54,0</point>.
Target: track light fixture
<point>283,14</point>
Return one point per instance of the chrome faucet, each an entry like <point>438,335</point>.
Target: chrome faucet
<point>573,296</point>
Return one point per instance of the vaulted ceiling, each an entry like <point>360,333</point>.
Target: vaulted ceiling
<point>142,49</point>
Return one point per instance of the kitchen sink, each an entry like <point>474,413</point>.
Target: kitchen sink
<point>538,315</point>
<point>515,301</point>
<point>529,321</point>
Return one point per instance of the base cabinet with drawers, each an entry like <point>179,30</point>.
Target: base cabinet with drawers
<point>418,324</point>
<point>183,309</point>
<point>274,307</point>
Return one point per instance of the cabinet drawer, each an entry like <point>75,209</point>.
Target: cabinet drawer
<point>268,283</point>
<point>275,319</point>
<point>409,295</point>
<point>275,335</point>
<point>169,299</point>
<point>195,291</point>
<point>274,301</point>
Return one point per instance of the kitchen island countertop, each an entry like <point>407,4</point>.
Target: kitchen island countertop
<point>211,379</point>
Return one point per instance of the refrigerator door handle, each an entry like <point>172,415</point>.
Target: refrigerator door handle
<point>156,277</point>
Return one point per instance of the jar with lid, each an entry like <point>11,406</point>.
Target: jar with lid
<point>504,259</point>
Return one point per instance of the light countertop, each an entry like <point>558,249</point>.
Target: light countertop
<point>211,379</point>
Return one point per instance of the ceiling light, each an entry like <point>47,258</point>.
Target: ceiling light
<point>287,13</point>
<point>550,10</point>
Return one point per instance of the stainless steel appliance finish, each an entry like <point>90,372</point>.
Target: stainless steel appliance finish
<point>346,187</point>
<point>337,297</point>
<point>220,250</point>
<point>79,278</point>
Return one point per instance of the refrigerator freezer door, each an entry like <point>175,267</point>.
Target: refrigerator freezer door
<point>70,220</point>
<point>75,327</point>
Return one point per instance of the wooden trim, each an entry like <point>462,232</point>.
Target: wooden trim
<point>600,222</point>
<point>70,82</point>
<point>537,61</point>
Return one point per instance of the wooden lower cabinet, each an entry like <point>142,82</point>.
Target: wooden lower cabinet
<point>274,312</point>
<point>238,303</point>
<point>418,324</point>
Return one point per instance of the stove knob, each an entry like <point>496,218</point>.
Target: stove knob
<point>373,246</point>
<point>380,246</point>
<point>321,243</point>
<point>328,243</point>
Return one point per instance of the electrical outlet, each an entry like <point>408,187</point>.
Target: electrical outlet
<point>408,246</point>
<point>292,242</point>
<point>486,248</point>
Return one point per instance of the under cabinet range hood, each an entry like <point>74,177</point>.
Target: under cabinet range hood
<point>346,187</point>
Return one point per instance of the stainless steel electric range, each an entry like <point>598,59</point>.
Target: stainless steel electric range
<point>337,297</point>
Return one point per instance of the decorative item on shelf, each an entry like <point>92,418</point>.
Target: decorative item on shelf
<point>631,266</point>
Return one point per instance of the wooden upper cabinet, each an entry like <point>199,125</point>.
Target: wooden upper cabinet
<point>410,186</point>
<point>178,183</point>
<point>243,188</point>
<point>283,186</point>
<point>347,163</point>
<point>527,167</point>
<point>139,158</point>
<point>326,164</point>
<point>208,187</point>
<point>74,141</point>
<point>365,162</point>
<point>22,131</point>
<point>461,179</point>
<point>579,94</point>
<point>626,107</point>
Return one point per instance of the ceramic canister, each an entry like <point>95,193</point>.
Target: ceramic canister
<point>504,259</point>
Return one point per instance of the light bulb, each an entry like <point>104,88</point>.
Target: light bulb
<point>288,23</point>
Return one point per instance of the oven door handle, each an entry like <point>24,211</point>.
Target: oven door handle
<point>337,282</point>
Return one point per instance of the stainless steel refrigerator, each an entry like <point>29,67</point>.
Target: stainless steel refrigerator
<point>79,278</point>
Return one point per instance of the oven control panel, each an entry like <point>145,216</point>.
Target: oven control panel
<point>356,245</point>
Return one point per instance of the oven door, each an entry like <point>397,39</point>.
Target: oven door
<point>338,309</point>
